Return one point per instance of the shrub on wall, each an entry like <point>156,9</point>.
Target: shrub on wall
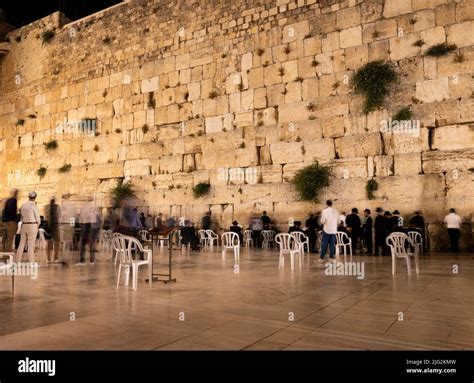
<point>201,189</point>
<point>65,168</point>
<point>440,49</point>
<point>47,36</point>
<point>370,188</point>
<point>309,181</point>
<point>373,81</point>
<point>41,172</point>
<point>51,145</point>
<point>121,192</point>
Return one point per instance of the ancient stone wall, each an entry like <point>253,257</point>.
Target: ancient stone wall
<point>242,94</point>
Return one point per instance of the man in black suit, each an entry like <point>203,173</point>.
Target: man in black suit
<point>367,227</point>
<point>311,227</point>
<point>353,225</point>
<point>380,234</point>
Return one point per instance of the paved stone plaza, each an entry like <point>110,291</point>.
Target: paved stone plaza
<point>212,307</point>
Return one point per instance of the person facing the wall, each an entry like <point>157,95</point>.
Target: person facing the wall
<point>453,223</point>
<point>30,218</point>
<point>10,221</point>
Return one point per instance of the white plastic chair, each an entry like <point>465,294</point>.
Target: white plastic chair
<point>302,240</point>
<point>343,242</point>
<point>248,238</point>
<point>399,244</point>
<point>268,238</point>
<point>144,236</point>
<point>211,237</point>
<point>231,241</point>
<point>6,266</point>
<point>203,239</point>
<point>288,245</point>
<point>125,246</point>
<point>41,241</point>
<point>417,240</point>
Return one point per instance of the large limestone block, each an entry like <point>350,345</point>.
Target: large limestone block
<point>150,84</point>
<point>448,161</point>
<point>271,173</point>
<point>383,166</point>
<point>312,46</point>
<point>319,150</point>
<point>330,42</point>
<point>402,47</point>
<point>349,168</point>
<point>286,152</point>
<point>453,137</point>
<point>396,7</point>
<point>294,112</point>
<point>171,164</point>
<point>423,4</point>
<point>325,64</point>
<point>409,142</point>
<point>136,168</point>
<point>359,146</point>
<point>351,37</point>
<point>332,127</point>
<point>272,74</point>
<point>295,32</point>
<point>461,34</point>
<point>104,171</point>
<point>432,90</point>
<point>348,17</point>
<point>293,92</point>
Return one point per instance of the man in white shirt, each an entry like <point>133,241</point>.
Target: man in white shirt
<point>329,221</point>
<point>30,218</point>
<point>453,223</point>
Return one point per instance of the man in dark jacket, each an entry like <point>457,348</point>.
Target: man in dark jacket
<point>10,221</point>
<point>418,222</point>
<point>235,228</point>
<point>380,234</point>
<point>311,227</point>
<point>206,221</point>
<point>353,225</point>
<point>367,227</point>
<point>266,221</point>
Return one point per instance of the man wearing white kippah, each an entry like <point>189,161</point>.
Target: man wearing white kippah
<point>30,219</point>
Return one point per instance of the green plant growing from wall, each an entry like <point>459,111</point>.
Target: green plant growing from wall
<point>373,80</point>
<point>145,129</point>
<point>440,49</point>
<point>20,122</point>
<point>121,192</point>
<point>41,172</point>
<point>96,148</point>
<point>51,145</point>
<point>370,188</point>
<point>201,189</point>
<point>403,114</point>
<point>310,180</point>
<point>65,168</point>
<point>47,36</point>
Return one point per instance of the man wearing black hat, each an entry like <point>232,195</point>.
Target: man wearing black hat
<point>235,228</point>
<point>311,227</point>
<point>353,225</point>
<point>380,234</point>
<point>396,220</point>
<point>367,227</point>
